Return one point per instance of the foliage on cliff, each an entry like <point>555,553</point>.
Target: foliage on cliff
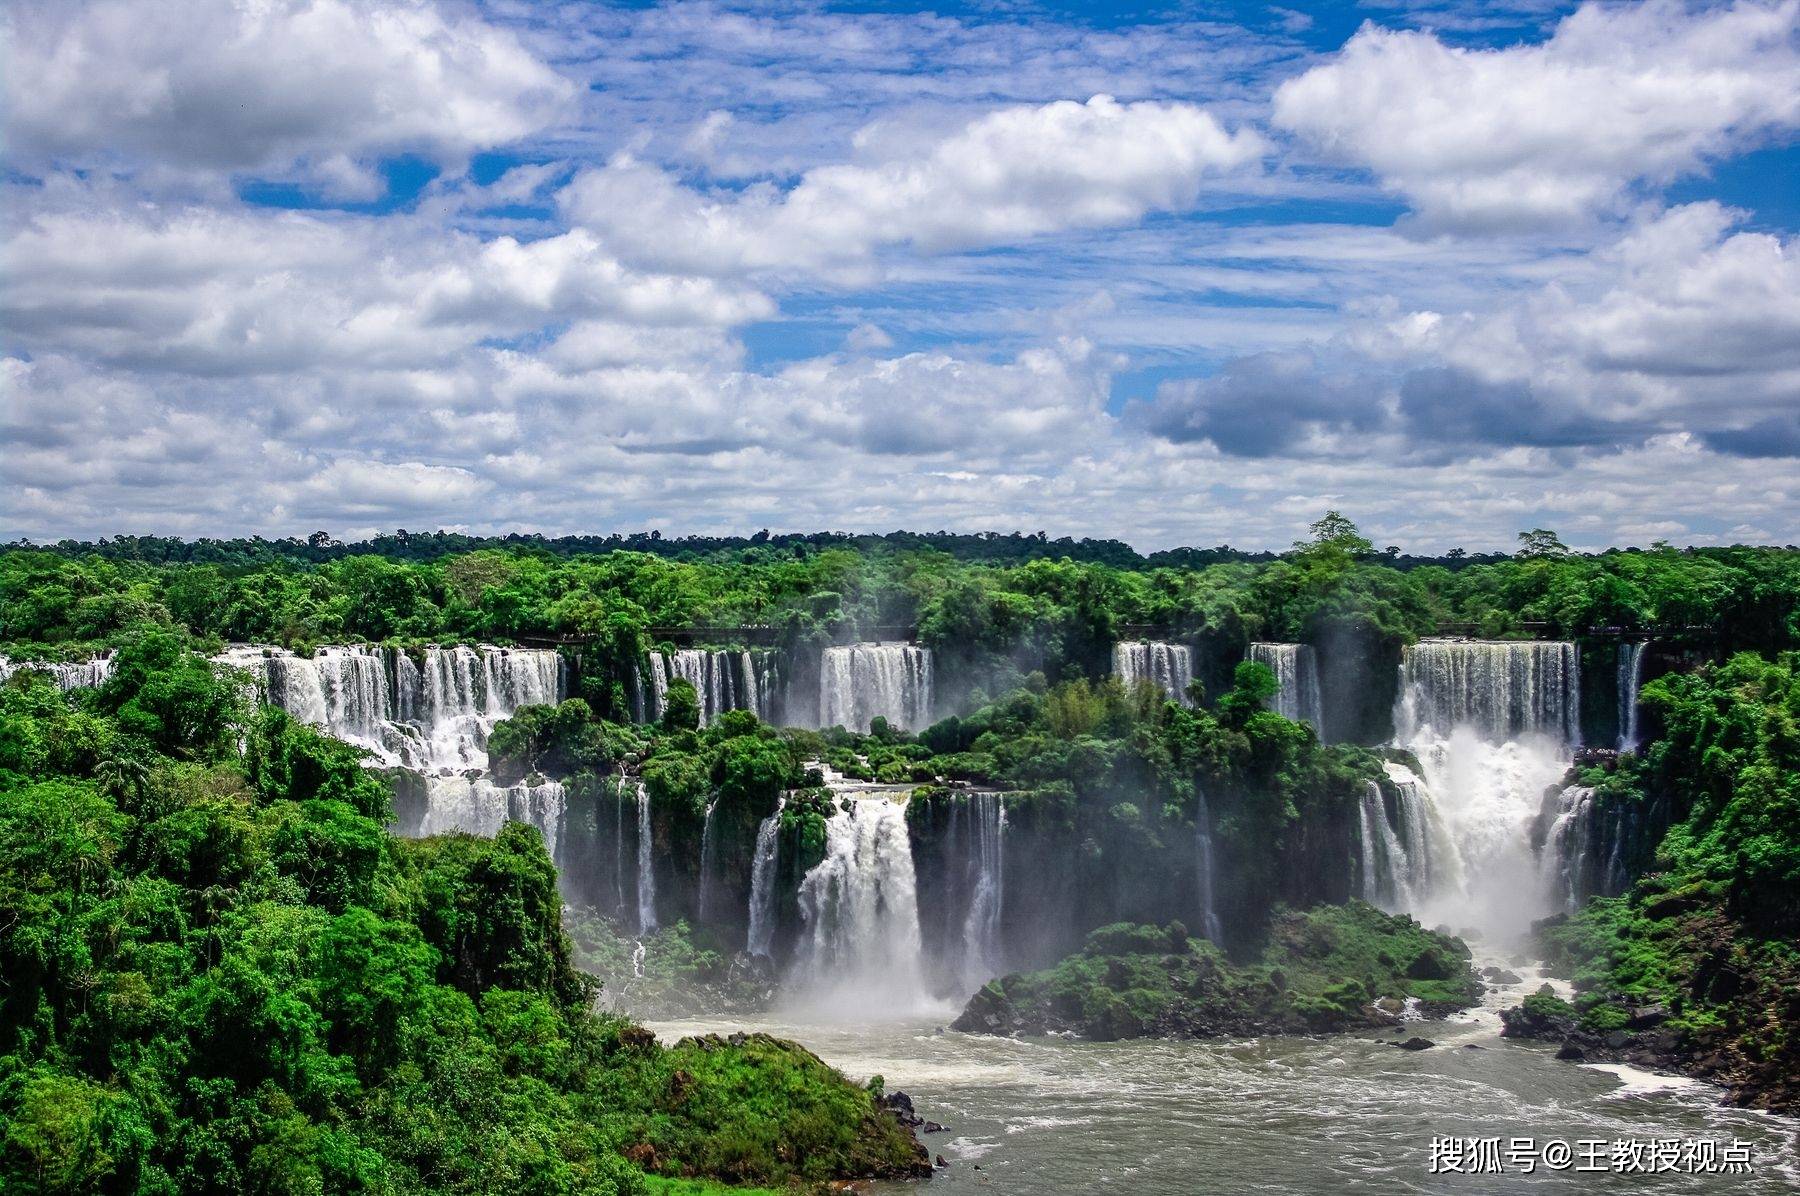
<point>218,973</point>
<point>1322,969</point>
<point>1707,939</point>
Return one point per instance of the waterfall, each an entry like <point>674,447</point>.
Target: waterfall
<point>1296,672</point>
<point>761,938</point>
<point>1169,667</point>
<point>860,945</point>
<point>1493,726</point>
<point>722,680</point>
<point>1399,848</point>
<point>646,865</point>
<point>708,860</point>
<point>861,682</point>
<point>64,674</point>
<point>619,853</point>
<point>1382,859</point>
<point>430,716</point>
<point>1204,868</point>
<point>1500,689</point>
<point>480,807</point>
<point>982,954</point>
<point>1631,676</point>
<point>1566,860</point>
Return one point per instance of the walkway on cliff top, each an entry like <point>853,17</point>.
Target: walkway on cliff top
<point>749,634</point>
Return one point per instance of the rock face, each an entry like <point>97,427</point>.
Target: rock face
<point>1644,1040</point>
<point>1330,968</point>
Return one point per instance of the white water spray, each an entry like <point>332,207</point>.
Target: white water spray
<point>859,945</point>
<point>1493,725</point>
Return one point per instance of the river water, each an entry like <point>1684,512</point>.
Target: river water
<point>1350,1113</point>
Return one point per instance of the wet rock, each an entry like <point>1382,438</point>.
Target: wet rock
<point>1430,965</point>
<point>1391,1005</point>
<point>1617,1040</point>
<point>1643,1017</point>
<point>1572,1052</point>
<point>1495,975</point>
<point>1417,1044</point>
<point>901,1106</point>
<point>941,1162</point>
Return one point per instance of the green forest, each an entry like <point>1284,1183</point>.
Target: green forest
<point>221,969</point>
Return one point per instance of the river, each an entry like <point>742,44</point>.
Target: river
<point>1350,1113</point>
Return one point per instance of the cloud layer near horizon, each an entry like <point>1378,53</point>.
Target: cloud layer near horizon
<point>359,264</point>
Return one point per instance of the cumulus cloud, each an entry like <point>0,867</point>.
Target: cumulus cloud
<point>594,341</point>
<point>1009,175</point>
<point>1552,131</point>
<point>1682,325</point>
<point>209,291</point>
<point>1265,404</point>
<point>264,85</point>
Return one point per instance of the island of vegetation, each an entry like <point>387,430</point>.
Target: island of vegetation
<point>1333,968</point>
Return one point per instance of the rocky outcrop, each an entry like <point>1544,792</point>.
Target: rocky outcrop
<point>1640,1035</point>
<point>1328,969</point>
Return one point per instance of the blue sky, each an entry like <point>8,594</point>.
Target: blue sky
<point>1177,273</point>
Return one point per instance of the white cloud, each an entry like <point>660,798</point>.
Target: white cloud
<point>1555,131</point>
<point>485,360</point>
<point>214,292</point>
<point>353,488</point>
<point>1681,326</point>
<point>1007,176</point>
<point>261,85</point>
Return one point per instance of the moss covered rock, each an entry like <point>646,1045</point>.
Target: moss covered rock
<point>1319,970</point>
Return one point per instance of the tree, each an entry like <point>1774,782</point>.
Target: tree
<point>1540,542</point>
<point>681,706</point>
<point>1336,531</point>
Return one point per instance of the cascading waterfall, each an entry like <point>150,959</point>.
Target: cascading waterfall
<point>1631,677</point>
<point>478,806</point>
<point>619,854</point>
<point>861,682</point>
<point>1590,844</point>
<point>1501,689</point>
<point>1402,847</point>
<point>722,680</point>
<point>1169,667</point>
<point>646,865</point>
<point>708,862</point>
<point>1204,868</point>
<point>1493,725</point>
<point>430,716</point>
<point>64,674</point>
<point>761,938</point>
<point>982,958</point>
<point>1296,672</point>
<point>860,946</point>
<point>1568,849</point>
